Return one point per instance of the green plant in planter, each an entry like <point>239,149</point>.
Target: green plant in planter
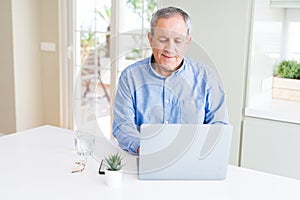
<point>289,69</point>
<point>114,162</point>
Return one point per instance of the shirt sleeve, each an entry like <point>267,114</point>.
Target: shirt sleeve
<point>124,127</point>
<point>215,109</point>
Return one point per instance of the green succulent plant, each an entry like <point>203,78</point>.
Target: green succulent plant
<point>288,69</point>
<point>113,162</point>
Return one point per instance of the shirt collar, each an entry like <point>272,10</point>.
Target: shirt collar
<point>178,71</point>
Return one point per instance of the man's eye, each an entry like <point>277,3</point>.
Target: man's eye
<point>178,41</point>
<point>162,40</point>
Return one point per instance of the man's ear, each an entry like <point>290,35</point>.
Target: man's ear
<point>150,38</point>
<point>189,40</point>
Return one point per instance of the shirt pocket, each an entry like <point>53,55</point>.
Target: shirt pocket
<point>192,111</point>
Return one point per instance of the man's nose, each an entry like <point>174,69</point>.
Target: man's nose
<point>170,46</point>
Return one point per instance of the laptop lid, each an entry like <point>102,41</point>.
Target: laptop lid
<point>184,151</point>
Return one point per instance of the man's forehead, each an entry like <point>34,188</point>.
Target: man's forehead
<point>161,32</point>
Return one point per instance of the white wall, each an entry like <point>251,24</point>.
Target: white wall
<point>27,63</point>
<point>221,28</point>
<point>7,99</point>
<point>29,78</point>
<point>49,10</point>
<point>271,146</point>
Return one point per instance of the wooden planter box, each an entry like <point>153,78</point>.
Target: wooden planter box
<point>286,89</point>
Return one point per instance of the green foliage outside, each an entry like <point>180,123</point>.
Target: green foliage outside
<point>140,6</point>
<point>145,9</point>
<point>288,69</point>
<point>87,41</point>
<point>106,14</point>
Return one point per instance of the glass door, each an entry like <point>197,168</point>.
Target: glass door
<point>108,36</point>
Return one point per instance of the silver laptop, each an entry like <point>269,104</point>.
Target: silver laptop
<point>184,151</point>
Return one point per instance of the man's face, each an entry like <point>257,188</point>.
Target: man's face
<point>169,43</point>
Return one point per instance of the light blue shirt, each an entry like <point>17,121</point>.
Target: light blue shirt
<point>191,95</point>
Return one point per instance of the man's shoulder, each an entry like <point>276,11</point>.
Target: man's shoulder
<point>198,66</point>
<point>137,66</point>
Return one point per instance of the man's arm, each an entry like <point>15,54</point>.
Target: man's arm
<point>124,127</point>
<point>215,109</point>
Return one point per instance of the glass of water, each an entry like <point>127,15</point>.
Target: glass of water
<point>84,142</point>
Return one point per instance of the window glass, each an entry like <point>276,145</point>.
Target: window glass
<point>294,37</point>
<point>93,60</point>
<point>274,37</point>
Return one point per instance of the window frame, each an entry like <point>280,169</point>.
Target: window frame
<point>278,109</point>
<point>67,60</point>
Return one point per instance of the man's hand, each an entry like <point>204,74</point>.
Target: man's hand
<point>138,151</point>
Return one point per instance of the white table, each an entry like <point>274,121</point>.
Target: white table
<point>37,164</point>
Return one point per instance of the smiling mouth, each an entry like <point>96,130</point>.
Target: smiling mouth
<point>168,56</point>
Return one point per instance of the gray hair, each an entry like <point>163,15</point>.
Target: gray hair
<point>170,12</point>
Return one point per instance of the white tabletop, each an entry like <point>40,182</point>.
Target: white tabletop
<point>37,164</point>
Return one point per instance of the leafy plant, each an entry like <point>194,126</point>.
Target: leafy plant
<point>137,7</point>
<point>87,42</point>
<point>106,15</point>
<point>144,9</point>
<point>289,69</point>
<point>114,162</point>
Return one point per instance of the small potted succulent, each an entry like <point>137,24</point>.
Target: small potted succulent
<point>113,171</point>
